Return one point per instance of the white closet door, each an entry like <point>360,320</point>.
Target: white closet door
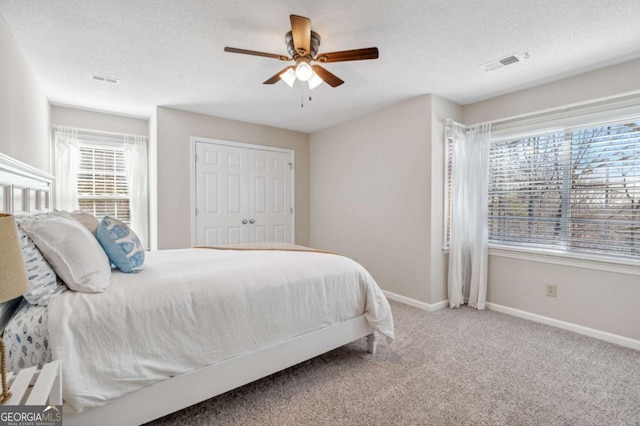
<point>221,195</point>
<point>269,184</point>
<point>242,195</point>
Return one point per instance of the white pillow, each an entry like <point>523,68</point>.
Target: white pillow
<point>71,250</point>
<point>89,221</point>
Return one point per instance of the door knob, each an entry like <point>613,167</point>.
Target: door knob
<point>244,221</point>
<point>252,221</point>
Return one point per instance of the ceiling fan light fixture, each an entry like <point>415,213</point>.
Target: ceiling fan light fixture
<point>303,70</point>
<point>314,81</point>
<point>302,45</point>
<point>289,77</point>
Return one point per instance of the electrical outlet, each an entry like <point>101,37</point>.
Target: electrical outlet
<point>552,290</point>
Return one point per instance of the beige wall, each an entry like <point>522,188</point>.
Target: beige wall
<point>93,120</point>
<point>370,185</point>
<point>602,300</point>
<point>174,131</point>
<point>376,194</point>
<point>596,299</point>
<point>605,82</point>
<point>24,109</point>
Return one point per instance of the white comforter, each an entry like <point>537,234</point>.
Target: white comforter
<point>194,307</point>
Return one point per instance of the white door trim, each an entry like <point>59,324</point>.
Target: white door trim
<point>192,165</point>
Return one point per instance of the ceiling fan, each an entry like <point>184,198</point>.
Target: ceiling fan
<point>302,45</point>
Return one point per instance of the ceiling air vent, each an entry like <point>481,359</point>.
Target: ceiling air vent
<point>503,62</point>
<point>104,79</point>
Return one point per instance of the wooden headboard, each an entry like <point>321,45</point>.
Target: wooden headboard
<point>24,189</point>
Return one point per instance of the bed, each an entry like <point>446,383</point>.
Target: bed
<point>196,322</point>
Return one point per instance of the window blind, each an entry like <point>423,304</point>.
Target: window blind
<point>448,168</point>
<point>575,189</point>
<point>102,182</point>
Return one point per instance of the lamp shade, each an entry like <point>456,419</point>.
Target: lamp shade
<point>314,81</point>
<point>289,77</point>
<point>13,274</point>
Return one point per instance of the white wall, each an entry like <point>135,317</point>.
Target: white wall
<point>93,120</point>
<point>606,301</point>
<point>173,138</point>
<point>24,109</point>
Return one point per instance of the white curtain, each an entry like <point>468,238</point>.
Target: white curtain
<point>469,204</point>
<point>67,164</point>
<point>135,149</point>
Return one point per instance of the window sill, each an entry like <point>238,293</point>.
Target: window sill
<point>585,261</point>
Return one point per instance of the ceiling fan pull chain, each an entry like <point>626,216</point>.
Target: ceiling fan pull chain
<point>302,98</point>
<point>303,90</point>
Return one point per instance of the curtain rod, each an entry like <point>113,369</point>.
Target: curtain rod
<point>96,132</point>
<point>464,126</point>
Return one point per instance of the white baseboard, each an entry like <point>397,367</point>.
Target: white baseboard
<point>591,332</point>
<point>429,307</point>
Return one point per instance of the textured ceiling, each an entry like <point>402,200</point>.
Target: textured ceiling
<point>170,53</point>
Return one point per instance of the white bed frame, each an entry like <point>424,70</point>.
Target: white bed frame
<point>182,391</point>
<point>24,189</point>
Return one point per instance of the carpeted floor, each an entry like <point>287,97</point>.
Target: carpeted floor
<point>450,367</point>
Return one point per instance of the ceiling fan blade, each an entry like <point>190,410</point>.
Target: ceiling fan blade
<point>301,32</point>
<point>329,78</point>
<point>276,78</point>
<point>348,55</point>
<point>255,53</point>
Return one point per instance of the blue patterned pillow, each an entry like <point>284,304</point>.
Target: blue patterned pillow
<point>26,337</point>
<point>43,283</point>
<point>121,244</point>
